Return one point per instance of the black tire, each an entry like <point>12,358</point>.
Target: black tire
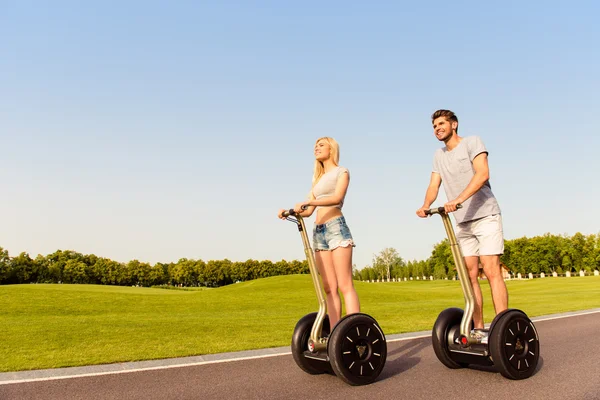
<point>357,349</point>
<point>514,345</point>
<point>447,324</point>
<point>300,344</point>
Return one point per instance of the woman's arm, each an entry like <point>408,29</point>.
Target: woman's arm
<point>341,188</point>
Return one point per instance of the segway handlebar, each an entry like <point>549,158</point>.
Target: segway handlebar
<point>288,213</point>
<point>291,212</point>
<point>439,210</point>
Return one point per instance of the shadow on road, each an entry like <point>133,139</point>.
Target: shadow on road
<point>403,358</point>
<point>492,369</point>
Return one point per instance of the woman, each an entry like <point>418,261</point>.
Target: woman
<point>332,240</point>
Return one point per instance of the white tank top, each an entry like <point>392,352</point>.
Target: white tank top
<point>327,183</point>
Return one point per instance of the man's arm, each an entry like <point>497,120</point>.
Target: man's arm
<point>431,193</point>
<point>482,174</point>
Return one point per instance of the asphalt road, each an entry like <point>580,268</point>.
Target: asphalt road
<point>568,369</point>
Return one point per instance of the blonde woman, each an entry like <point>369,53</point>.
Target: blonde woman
<point>332,240</point>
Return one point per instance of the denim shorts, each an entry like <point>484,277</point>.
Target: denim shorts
<point>332,234</point>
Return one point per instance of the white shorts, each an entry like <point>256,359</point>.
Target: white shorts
<point>481,237</point>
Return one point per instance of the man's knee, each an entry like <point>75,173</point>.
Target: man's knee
<point>474,278</point>
<point>472,264</point>
<point>493,274</point>
<point>491,267</point>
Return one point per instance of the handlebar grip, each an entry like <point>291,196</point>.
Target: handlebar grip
<point>439,210</point>
<point>288,213</point>
<point>291,212</point>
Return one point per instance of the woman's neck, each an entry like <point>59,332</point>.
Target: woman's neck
<point>328,165</point>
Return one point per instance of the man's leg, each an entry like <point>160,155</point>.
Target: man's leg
<point>469,246</point>
<point>472,263</point>
<point>491,269</point>
<point>490,234</point>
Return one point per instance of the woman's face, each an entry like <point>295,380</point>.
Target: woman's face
<point>322,150</point>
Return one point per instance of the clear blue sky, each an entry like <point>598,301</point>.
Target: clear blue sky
<point>157,130</point>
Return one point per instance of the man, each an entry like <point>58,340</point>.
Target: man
<point>462,165</point>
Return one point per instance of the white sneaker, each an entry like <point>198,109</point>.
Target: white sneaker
<point>481,335</point>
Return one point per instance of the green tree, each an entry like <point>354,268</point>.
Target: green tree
<point>368,273</point>
<point>141,273</point>
<point>441,261</point>
<point>577,251</point>
<point>24,269</point>
<point>386,261</point>
<point>5,266</point>
<point>184,272</point>
<point>159,274</point>
<point>299,267</point>
<point>589,253</point>
<point>216,272</point>
<point>597,252</point>
<point>74,271</point>
<point>44,272</point>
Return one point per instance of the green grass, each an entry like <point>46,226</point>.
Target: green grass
<point>50,326</point>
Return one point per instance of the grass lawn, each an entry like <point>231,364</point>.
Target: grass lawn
<point>49,326</point>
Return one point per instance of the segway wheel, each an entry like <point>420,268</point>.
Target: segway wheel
<point>357,349</point>
<point>300,345</point>
<point>445,331</point>
<point>514,345</point>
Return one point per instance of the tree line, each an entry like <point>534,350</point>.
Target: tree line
<point>548,253</point>
<point>72,267</point>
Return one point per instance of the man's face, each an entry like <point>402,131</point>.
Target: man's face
<point>442,128</point>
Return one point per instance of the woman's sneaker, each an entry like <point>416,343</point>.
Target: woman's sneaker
<point>481,335</point>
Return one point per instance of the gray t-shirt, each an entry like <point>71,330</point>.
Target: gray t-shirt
<point>456,169</point>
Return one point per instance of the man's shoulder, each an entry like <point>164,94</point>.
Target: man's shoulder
<point>474,145</point>
<point>472,138</point>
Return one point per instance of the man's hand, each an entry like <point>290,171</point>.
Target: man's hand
<point>451,205</point>
<point>421,212</point>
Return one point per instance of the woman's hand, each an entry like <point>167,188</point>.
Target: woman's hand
<point>301,206</point>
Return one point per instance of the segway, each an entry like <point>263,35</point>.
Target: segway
<point>512,345</point>
<point>355,350</point>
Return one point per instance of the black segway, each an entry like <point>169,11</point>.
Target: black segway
<point>355,350</point>
<point>512,344</point>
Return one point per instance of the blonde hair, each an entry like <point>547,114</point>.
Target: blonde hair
<point>334,154</point>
